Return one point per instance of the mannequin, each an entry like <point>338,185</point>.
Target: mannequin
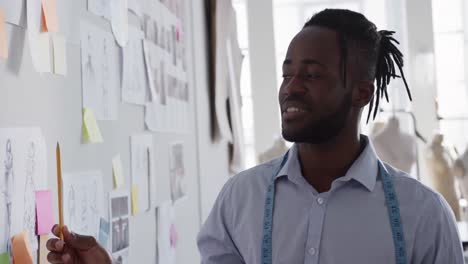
<point>460,171</point>
<point>439,168</point>
<point>395,147</point>
<point>279,148</point>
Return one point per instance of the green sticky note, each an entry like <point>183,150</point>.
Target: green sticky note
<point>4,258</point>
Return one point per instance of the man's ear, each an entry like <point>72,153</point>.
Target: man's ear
<point>362,93</point>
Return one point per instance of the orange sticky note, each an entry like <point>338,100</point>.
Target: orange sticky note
<point>49,9</point>
<point>21,248</point>
<point>3,36</point>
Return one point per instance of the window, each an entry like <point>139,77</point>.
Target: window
<point>245,84</point>
<point>449,41</point>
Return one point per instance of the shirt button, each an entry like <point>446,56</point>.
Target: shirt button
<point>320,200</point>
<point>312,251</point>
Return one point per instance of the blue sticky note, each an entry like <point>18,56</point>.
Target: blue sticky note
<point>104,229</point>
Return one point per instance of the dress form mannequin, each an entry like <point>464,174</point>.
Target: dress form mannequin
<point>395,147</point>
<point>279,148</point>
<point>439,168</point>
<point>460,171</point>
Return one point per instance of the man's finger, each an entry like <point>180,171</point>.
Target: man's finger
<point>54,258</point>
<point>55,245</point>
<point>78,242</point>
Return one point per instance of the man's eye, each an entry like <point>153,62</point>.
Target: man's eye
<point>313,76</point>
<point>287,77</point>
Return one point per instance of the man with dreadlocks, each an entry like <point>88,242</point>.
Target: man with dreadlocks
<point>329,199</point>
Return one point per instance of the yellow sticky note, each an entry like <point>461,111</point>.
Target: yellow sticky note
<point>21,249</point>
<point>117,171</point>
<point>4,258</point>
<point>3,36</point>
<point>91,131</point>
<point>134,200</point>
<point>60,55</point>
<point>43,249</point>
<point>49,9</point>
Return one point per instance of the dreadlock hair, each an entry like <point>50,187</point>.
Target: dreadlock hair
<point>374,52</point>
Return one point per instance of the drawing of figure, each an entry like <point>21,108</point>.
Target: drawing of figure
<point>163,83</point>
<point>6,193</point>
<point>72,208</point>
<point>29,214</point>
<point>105,80</point>
<point>90,68</point>
<point>84,214</point>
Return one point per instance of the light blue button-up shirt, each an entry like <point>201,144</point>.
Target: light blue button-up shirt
<point>347,224</point>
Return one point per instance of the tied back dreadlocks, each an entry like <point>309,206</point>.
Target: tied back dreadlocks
<point>374,52</point>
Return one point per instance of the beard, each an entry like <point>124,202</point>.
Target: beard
<point>324,129</point>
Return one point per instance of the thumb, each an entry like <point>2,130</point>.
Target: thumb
<point>78,242</point>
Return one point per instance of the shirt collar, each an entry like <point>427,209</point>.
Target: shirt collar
<point>363,170</point>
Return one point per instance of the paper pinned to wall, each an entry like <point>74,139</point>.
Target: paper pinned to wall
<point>117,172</point>
<point>50,22</point>
<point>167,233</point>
<point>21,249</point>
<point>14,11</point>
<point>60,55</point>
<point>44,212</point>
<point>177,171</point>
<point>34,16</point>
<point>119,207</point>
<point>141,148</point>
<point>3,36</point>
<point>91,131</point>
<point>99,71</point>
<point>104,229</point>
<point>83,202</point>
<point>39,46</point>
<point>135,7</point>
<point>100,8</point>
<point>134,82</point>
<point>23,170</point>
<point>119,21</point>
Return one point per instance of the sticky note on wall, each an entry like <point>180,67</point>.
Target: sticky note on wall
<point>43,252</point>
<point>134,200</point>
<point>44,212</point>
<point>49,9</point>
<point>91,131</point>
<point>117,171</point>
<point>21,249</point>
<point>3,36</point>
<point>4,258</point>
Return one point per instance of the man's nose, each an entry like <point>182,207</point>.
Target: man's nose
<point>295,86</point>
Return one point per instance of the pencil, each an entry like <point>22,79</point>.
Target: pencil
<point>59,188</point>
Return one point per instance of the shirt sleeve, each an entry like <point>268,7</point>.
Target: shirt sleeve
<point>437,240</point>
<point>214,241</point>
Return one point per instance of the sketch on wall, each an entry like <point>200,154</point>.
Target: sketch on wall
<point>99,67</point>
<point>165,57</point>
<point>177,171</point>
<point>83,202</point>
<point>119,207</point>
<point>23,171</point>
<point>134,84</point>
<point>141,153</point>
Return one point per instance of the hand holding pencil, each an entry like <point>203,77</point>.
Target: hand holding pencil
<point>72,248</point>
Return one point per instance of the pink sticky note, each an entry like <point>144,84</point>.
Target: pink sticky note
<point>44,212</point>
<point>173,236</point>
